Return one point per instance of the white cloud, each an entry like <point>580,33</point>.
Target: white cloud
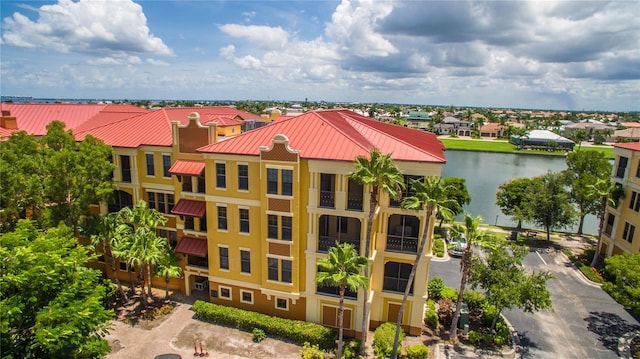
<point>267,38</point>
<point>85,26</point>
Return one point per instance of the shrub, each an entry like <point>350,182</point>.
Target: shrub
<point>477,337</point>
<point>434,288</point>
<point>438,248</point>
<point>488,313</point>
<point>383,339</point>
<point>309,351</point>
<point>351,350</point>
<point>449,293</point>
<point>417,351</point>
<point>430,315</point>
<point>295,330</point>
<point>502,333</point>
<point>445,311</point>
<point>475,300</point>
<point>258,335</point>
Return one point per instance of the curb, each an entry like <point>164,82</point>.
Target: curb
<point>579,273</point>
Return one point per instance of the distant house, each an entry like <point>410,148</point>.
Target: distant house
<point>589,127</point>
<point>492,130</point>
<point>627,135</point>
<point>457,126</point>
<point>417,119</point>
<point>543,140</point>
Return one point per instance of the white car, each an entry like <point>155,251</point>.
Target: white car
<point>457,246</point>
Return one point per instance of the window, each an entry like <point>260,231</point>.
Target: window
<point>622,167</point>
<point>125,166</point>
<point>327,190</point>
<point>282,303</point>
<point>342,225</point>
<point>151,170</point>
<point>246,296</point>
<point>272,231</point>
<point>272,181</point>
<point>243,177</point>
<point>225,292</point>
<point>609,226</point>
<point>407,191</point>
<point>279,270</point>
<point>203,223</point>
<point>245,261</point>
<point>287,182</point>
<point>638,170</point>
<point>221,175</point>
<point>161,202</point>
<point>629,231</point>
<point>189,223</point>
<point>166,165</point>
<point>244,220</point>
<point>222,218</point>
<point>187,184</point>
<point>121,199</point>
<point>170,235</point>
<point>634,204</point>
<point>224,257</point>
<point>396,276</point>
<point>286,228</point>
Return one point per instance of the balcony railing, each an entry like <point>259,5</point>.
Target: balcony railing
<point>334,292</point>
<point>325,242</point>
<point>354,201</point>
<point>327,199</point>
<point>402,244</point>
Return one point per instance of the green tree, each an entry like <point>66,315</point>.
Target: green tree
<point>456,189</point>
<point>579,136</point>
<point>107,232</point>
<point>549,204</point>
<point>144,248</point>
<point>474,236</point>
<point>430,197</point>
<point>168,267</point>
<point>20,174</point>
<point>512,200</point>
<point>381,174</point>
<point>75,174</point>
<point>603,189</point>
<point>341,268</point>
<point>507,283</point>
<point>584,168</point>
<point>624,279</point>
<point>51,303</point>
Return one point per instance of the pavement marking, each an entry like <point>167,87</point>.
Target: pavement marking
<point>542,259</point>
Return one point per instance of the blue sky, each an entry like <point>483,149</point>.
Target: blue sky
<point>572,55</point>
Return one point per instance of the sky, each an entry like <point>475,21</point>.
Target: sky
<point>568,55</point>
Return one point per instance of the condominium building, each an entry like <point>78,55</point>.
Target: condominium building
<point>622,218</point>
<point>250,213</point>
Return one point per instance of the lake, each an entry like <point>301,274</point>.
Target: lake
<point>485,171</point>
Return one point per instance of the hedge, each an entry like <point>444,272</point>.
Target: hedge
<point>297,331</point>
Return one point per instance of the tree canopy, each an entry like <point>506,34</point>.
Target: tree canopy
<point>623,279</point>
<point>54,177</point>
<point>512,200</point>
<point>548,202</point>
<point>52,305</point>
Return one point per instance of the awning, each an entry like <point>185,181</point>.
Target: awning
<point>192,246</point>
<point>187,168</point>
<point>187,207</point>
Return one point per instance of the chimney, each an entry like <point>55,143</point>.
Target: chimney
<point>7,121</point>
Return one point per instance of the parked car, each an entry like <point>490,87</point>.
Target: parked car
<point>457,246</point>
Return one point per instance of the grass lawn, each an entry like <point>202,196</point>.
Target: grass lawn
<point>506,147</point>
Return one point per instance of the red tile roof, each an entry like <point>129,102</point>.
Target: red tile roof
<point>188,207</point>
<point>634,146</point>
<point>192,246</point>
<point>189,168</point>
<point>337,135</point>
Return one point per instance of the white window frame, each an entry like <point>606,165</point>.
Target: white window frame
<point>242,292</point>
<point>220,288</point>
<point>275,303</point>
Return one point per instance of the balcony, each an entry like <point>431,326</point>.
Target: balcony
<point>402,244</point>
<point>326,242</point>
<point>327,199</point>
<point>335,292</point>
<point>354,202</point>
<point>195,261</point>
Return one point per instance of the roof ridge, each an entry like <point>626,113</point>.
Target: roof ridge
<point>110,123</point>
<point>345,118</point>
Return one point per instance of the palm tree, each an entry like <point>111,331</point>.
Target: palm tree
<point>430,196</point>
<point>341,268</point>
<point>474,236</point>
<point>603,188</point>
<point>108,230</point>
<point>146,248</point>
<point>168,267</point>
<point>381,173</point>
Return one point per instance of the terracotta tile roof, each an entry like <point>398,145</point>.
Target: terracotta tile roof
<point>492,127</point>
<point>192,246</point>
<point>634,146</point>
<point>337,135</point>
<point>189,168</point>
<point>188,207</point>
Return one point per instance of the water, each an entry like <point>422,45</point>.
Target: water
<point>485,171</point>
